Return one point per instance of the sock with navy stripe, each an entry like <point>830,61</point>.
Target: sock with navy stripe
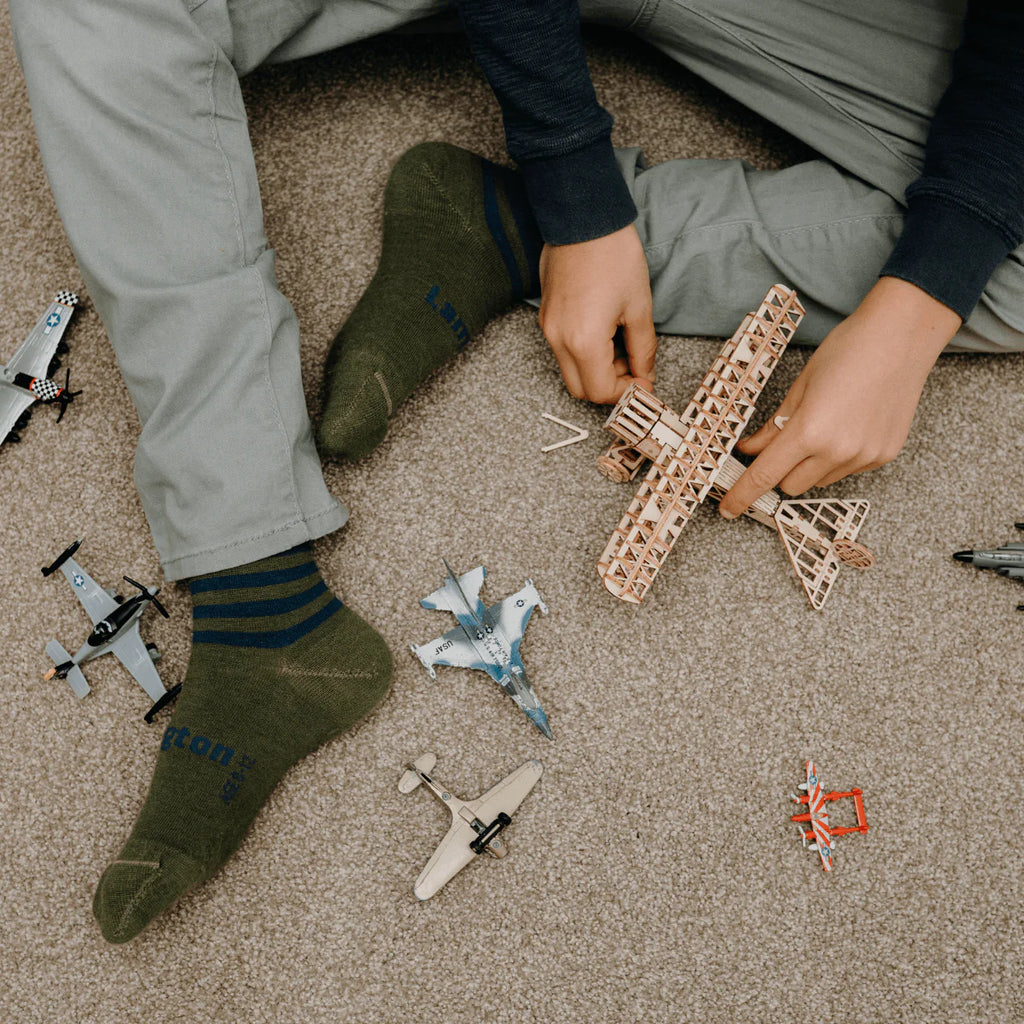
<point>278,667</point>
<point>460,246</point>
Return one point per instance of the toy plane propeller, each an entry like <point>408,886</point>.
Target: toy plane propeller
<point>25,381</point>
<point>486,638</point>
<point>476,824</point>
<point>691,459</point>
<point>115,631</point>
<point>820,835</point>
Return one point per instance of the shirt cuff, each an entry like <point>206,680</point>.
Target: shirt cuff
<point>578,196</point>
<point>947,251</point>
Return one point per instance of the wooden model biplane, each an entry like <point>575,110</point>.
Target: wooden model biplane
<point>820,834</point>
<point>691,458</point>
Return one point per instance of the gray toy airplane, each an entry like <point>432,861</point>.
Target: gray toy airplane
<point>476,824</point>
<point>24,380</point>
<point>485,638</point>
<point>115,622</point>
<point>1007,560</point>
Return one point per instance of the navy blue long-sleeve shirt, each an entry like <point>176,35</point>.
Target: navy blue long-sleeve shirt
<point>964,214</point>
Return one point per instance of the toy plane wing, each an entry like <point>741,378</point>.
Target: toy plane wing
<point>33,355</point>
<point>454,648</point>
<point>475,823</point>
<point>818,816</point>
<point>97,603</point>
<point>130,650</point>
<point>13,402</point>
<point>513,613</point>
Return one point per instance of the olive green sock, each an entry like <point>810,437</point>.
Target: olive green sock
<point>278,667</point>
<point>460,246</point>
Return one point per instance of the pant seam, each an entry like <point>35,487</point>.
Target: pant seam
<point>772,232</point>
<point>799,79</point>
<point>229,179</point>
<point>642,18</point>
<point>246,264</point>
<point>289,455</point>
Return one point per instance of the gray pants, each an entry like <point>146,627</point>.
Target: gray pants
<point>144,138</point>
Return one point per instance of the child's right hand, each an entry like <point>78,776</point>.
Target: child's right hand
<point>588,290</point>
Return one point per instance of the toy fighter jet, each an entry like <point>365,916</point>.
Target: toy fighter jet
<point>485,638</point>
<point>24,381</point>
<point>819,836</point>
<point>691,459</point>
<point>1007,560</point>
<point>115,630</point>
<point>476,824</point>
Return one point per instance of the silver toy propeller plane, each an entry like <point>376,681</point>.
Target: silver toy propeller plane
<point>486,638</point>
<point>24,380</point>
<point>115,622</point>
<point>476,824</point>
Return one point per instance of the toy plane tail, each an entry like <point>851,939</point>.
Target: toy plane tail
<point>410,780</point>
<point>459,593</point>
<point>819,535</point>
<point>65,668</point>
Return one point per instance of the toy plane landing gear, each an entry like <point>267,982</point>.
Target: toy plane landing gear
<point>820,835</point>
<point>476,825</point>
<point>691,459</point>
<point>115,622</point>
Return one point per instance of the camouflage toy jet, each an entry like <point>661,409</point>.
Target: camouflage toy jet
<point>486,638</point>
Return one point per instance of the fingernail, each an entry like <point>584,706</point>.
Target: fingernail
<point>726,514</point>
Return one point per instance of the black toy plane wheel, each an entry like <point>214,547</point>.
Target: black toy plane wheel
<point>154,652</point>
<point>162,703</point>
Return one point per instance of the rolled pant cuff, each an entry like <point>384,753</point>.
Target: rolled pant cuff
<point>249,549</point>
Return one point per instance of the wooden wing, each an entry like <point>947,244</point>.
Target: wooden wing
<point>689,450</point>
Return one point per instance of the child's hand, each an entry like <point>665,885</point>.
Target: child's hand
<point>851,407</point>
<point>589,290</point>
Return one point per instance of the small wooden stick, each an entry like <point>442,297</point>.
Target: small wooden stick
<point>581,435</point>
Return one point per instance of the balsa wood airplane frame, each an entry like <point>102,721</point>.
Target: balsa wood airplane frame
<point>691,458</point>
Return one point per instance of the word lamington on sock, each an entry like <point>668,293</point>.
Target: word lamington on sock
<point>278,667</point>
<point>460,246</point>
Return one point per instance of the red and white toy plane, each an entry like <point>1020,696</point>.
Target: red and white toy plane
<point>820,835</point>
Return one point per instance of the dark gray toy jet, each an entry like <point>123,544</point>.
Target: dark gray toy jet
<point>1007,560</point>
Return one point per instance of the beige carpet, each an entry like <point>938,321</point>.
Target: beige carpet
<point>654,874</point>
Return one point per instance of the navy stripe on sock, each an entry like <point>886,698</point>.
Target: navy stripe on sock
<point>257,609</point>
<point>270,638</point>
<point>251,579</point>
<point>529,235</point>
<point>497,229</point>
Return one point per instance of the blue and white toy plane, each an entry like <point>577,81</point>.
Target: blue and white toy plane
<point>24,380</point>
<point>486,638</point>
<point>115,621</point>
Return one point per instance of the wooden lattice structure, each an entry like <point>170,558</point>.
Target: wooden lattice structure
<point>690,459</point>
